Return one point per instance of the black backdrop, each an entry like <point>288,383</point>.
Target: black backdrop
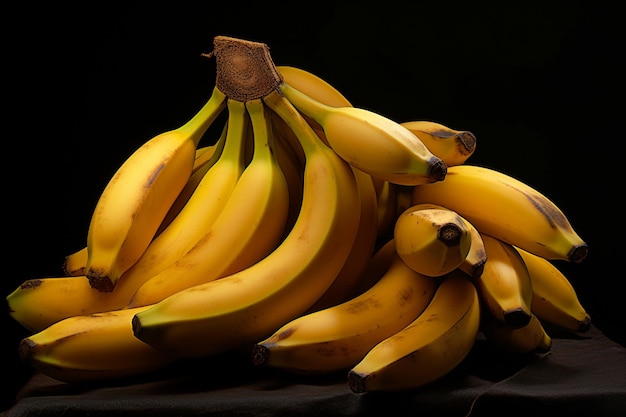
<point>537,83</point>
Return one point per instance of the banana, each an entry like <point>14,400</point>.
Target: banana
<point>201,211</point>
<point>338,337</point>
<point>504,286</point>
<point>378,264</point>
<point>245,307</point>
<point>137,197</point>
<point>474,263</point>
<point>531,338</point>
<point>555,300</point>
<point>249,227</point>
<point>432,239</point>
<point>506,208</point>
<point>313,86</point>
<point>371,142</point>
<point>92,348</point>
<point>362,249</point>
<point>427,348</point>
<point>453,146</point>
<point>74,263</point>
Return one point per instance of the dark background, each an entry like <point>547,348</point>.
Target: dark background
<point>537,82</point>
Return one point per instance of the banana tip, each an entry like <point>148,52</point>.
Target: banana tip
<point>578,253</point>
<point>356,382</point>
<point>260,354</point>
<point>438,170</point>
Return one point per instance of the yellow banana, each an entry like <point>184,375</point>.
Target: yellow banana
<point>338,337</point>
<point>205,205</point>
<point>242,308</point>
<point>371,142</point>
<point>555,300</point>
<point>453,146</point>
<point>431,239</point>
<point>426,349</point>
<point>362,249</point>
<point>249,227</point>
<point>74,263</point>
<point>474,263</point>
<point>136,199</point>
<point>378,264</point>
<point>531,338</point>
<point>92,348</point>
<point>508,209</point>
<point>504,286</point>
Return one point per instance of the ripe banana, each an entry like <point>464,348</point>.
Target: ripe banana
<point>454,147</point>
<point>245,307</point>
<point>338,337</point>
<point>504,286</point>
<point>474,263</point>
<point>74,263</point>
<point>554,298</point>
<point>506,208</point>
<point>531,338</point>
<point>92,348</point>
<point>371,142</point>
<point>432,239</point>
<point>387,209</point>
<point>429,347</point>
<point>136,199</point>
<point>201,211</point>
<point>378,264</point>
<point>248,228</point>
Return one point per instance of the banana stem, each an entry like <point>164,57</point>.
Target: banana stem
<point>200,122</point>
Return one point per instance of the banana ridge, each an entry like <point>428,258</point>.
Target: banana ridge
<point>256,301</point>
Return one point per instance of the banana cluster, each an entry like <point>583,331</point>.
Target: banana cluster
<point>313,234</point>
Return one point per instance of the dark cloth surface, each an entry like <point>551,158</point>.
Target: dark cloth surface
<point>583,375</point>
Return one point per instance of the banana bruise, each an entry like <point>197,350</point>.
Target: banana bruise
<point>555,300</point>
<point>531,338</point>
<point>506,208</point>
<point>431,239</point>
<point>138,196</point>
<point>504,286</point>
<point>256,301</point>
<point>371,142</point>
<point>248,228</point>
<point>453,146</point>
<point>426,349</point>
<point>337,337</point>
<point>92,348</point>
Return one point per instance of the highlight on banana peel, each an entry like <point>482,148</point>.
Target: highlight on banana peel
<point>317,235</point>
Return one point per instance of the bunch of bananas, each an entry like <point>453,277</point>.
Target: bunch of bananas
<point>315,235</point>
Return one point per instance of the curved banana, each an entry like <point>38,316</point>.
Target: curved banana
<point>371,142</point>
<point>506,208</point>
<point>249,227</point>
<point>453,146</point>
<point>555,300</point>
<point>431,239</point>
<point>203,208</point>
<point>474,263</point>
<point>92,348</point>
<point>363,247</point>
<point>378,264</point>
<point>338,337</point>
<point>531,338</point>
<point>504,286</point>
<point>429,347</point>
<point>136,199</point>
<point>74,263</point>
<point>253,303</point>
